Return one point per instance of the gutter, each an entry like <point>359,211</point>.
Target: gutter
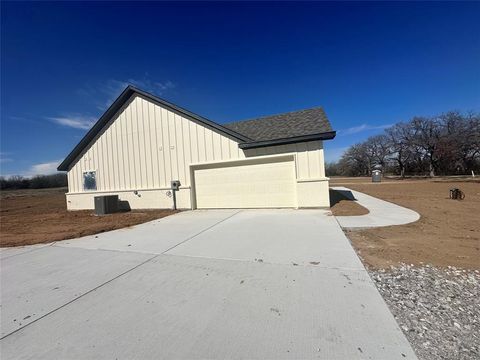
<point>290,140</point>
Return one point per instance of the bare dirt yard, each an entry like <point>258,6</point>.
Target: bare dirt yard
<point>340,205</point>
<point>447,234</point>
<point>37,216</point>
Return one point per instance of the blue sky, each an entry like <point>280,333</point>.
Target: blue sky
<point>368,64</point>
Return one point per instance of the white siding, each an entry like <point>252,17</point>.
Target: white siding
<point>309,164</point>
<point>146,146</point>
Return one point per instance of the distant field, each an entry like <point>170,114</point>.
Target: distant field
<point>37,216</point>
<point>448,233</point>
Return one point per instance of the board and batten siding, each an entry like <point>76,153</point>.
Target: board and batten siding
<point>145,146</point>
<point>309,157</point>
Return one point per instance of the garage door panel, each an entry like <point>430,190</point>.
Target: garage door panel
<point>246,186</point>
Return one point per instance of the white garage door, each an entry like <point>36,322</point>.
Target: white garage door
<point>254,185</point>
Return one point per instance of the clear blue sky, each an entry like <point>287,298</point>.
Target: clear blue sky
<point>368,64</point>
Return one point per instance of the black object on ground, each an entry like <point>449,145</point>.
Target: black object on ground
<point>457,194</point>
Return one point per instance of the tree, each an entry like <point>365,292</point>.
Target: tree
<point>355,161</point>
<point>331,169</point>
<point>426,136</point>
<point>444,144</point>
<point>400,147</point>
<point>378,150</point>
<point>36,182</point>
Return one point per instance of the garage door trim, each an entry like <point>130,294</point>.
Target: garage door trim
<point>240,162</point>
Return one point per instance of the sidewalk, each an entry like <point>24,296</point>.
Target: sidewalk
<point>382,213</point>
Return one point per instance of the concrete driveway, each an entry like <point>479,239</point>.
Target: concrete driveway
<point>256,284</point>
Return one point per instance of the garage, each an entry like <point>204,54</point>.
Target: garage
<point>258,183</point>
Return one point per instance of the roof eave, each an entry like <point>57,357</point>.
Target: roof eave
<point>222,129</point>
<point>290,140</point>
<point>97,127</point>
<point>117,105</point>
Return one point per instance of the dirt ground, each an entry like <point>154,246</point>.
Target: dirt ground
<point>447,234</point>
<point>340,205</point>
<point>37,216</point>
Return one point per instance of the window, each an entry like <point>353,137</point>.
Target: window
<point>89,180</point>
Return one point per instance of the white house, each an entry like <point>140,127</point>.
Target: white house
<point>142,143</point>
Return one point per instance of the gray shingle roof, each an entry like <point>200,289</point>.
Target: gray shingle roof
<point>282,126</point>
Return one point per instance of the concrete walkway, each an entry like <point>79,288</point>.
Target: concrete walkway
<point>382,213</point>
<point>236,284</point>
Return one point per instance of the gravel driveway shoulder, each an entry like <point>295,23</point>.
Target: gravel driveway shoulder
<point>437,309</point>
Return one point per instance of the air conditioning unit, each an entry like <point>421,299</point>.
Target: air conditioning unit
<point>107,204</point>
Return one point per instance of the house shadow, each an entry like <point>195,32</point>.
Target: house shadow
<point>338,195</point>
<point>123,206</point>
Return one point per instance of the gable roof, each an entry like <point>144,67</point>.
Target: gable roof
<point>297,126</point>
<point>124,97</point>
<point>308,124</point>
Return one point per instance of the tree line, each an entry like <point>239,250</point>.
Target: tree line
<point>35,182</point>
<point>447,144</point>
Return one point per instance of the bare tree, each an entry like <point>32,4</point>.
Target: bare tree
<point>427,133</point>
<point>355,161</point>
<point>378,149</point>
<point>445,144</point>
<point>467,140</point>
<point>400,145</point>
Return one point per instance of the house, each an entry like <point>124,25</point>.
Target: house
<point>142,143</point>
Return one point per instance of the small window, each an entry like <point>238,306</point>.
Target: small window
<point>89,180</point>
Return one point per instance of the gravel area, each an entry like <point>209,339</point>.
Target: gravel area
<point>437,309</point>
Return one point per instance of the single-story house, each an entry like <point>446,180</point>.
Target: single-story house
<point>142,143</point>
